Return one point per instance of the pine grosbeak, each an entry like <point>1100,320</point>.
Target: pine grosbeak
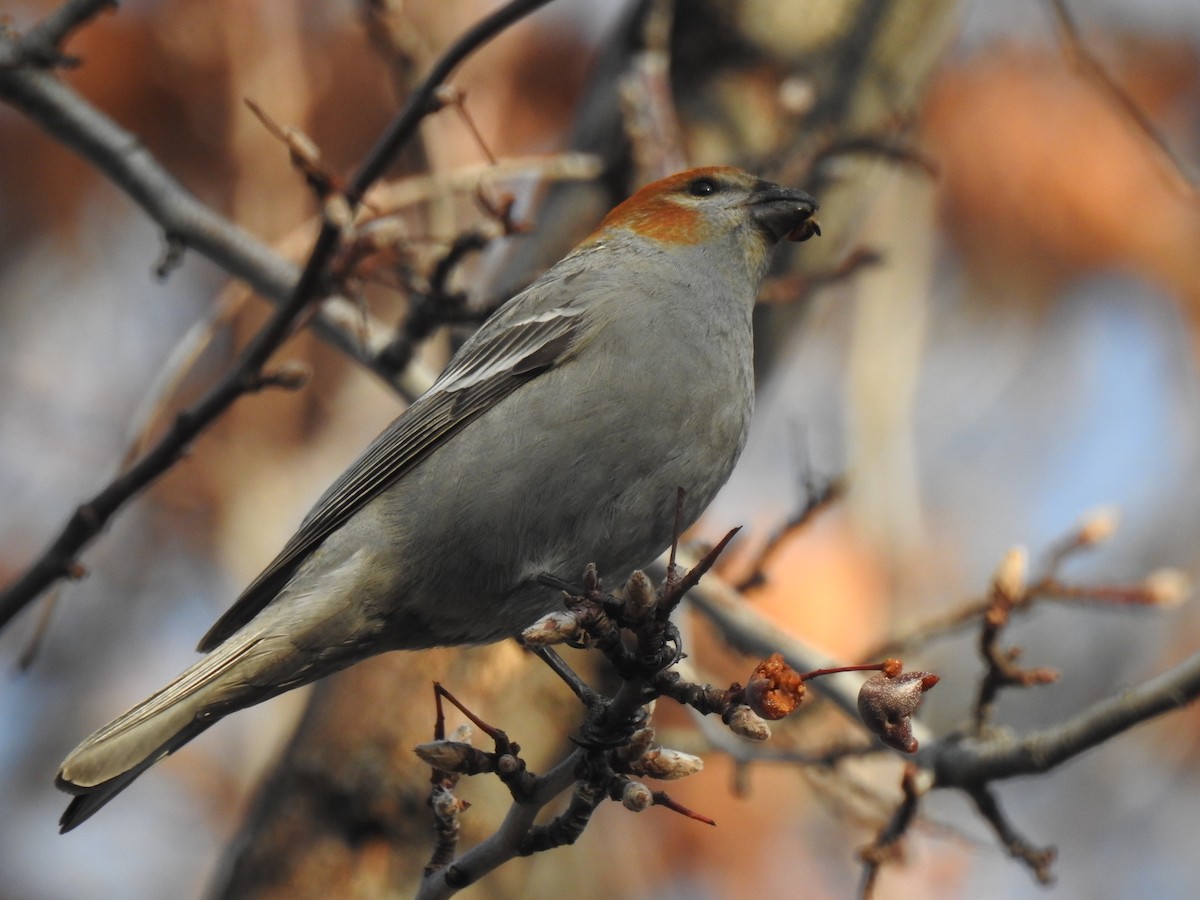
<point>556,436</point>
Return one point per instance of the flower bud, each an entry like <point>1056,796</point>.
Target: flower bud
<point>553,628</point>
<point>1168,587</point>
<point>745,722</point>
<point>637,744</point>
<point>637,797</point>
<point>1099,525</point>
<point>666,764</point>
<point>454,756</point>
<point>445,805</point>
<point>640,596</point>
<point>1009,580</point>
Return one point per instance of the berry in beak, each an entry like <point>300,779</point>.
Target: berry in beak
<point>784,212</point>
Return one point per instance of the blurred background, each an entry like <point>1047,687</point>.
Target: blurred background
<point>1023,352</point>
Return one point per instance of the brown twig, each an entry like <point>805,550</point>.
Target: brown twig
<point>1038,859</point>
<point>888,147</point>
<point>678,585</point>
<point>303,152</point>
<point>1161,589</point>
<point>436,306</point>
<point>662,799</point>
<point>186,222</point>
<point>886,847</point>
<point>1008,591</point>
<point>648,107</point>
<point>457,98</point>
<point>790,288</point>
<point>818,499</point>
<point>503,744</point>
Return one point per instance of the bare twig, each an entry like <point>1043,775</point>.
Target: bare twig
<point>42,44</point>
<point>650,120</point>
<point>886,846</point>
<point>183,357</point>
<point>819,498</point>
<point>517,834</point>
<point>424,99</point>
<point>1009,590</point>
<point>90,517</point>
<point>185,220</point>
<point>883,146</point>
<point>414,189</point>
<point>1038,859</point>
<point>747,630</point>
<point>435,306</point>
<point>1162,588</point>
<point>303,152</point>
<point>505,843</point>
<point>1089,66</point>
<point>968,761</point>
<point>791,288</point>
<point>567,826</point>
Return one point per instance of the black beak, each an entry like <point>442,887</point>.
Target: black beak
<point>781,212</point>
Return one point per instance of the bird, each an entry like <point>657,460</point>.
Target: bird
<point>558,435</point>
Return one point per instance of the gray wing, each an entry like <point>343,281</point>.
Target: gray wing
<point>515,346</point>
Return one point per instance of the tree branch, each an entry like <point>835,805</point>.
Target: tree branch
<point>42,44</point>
<point>503,844</point>
<point>746,629</point>
<point>59,559</point>
<point>969,763</point>
<point>185,220</point>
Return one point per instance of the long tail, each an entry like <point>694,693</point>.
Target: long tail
<point>108,762</point>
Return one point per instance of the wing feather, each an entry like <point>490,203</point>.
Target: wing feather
<point>508,352</point>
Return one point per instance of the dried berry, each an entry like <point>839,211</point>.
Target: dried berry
<point>886,704</point>
<point>775,689</point>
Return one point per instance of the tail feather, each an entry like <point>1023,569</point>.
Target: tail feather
<point>89,800</point>
<point>108,761</point>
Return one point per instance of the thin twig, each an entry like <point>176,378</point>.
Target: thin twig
<point>886,846</point>
<point>1009,590</point>
<point>966,762</point>
<point>650,119</point>
<point>90,517</point>
<point>1086,534</point>
<point>819,498</point>
<point>1038,859</point>
<point>42,44</point>
<point>745,629</point>
<point>1089,66</point>
<point>185,220</point>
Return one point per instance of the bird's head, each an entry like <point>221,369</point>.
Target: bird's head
<point>715,205</point>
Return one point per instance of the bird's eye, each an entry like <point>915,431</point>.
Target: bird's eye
<point>702,187</point>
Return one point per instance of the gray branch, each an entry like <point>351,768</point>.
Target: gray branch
<point>185,220</point>
<point>971,762</point>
